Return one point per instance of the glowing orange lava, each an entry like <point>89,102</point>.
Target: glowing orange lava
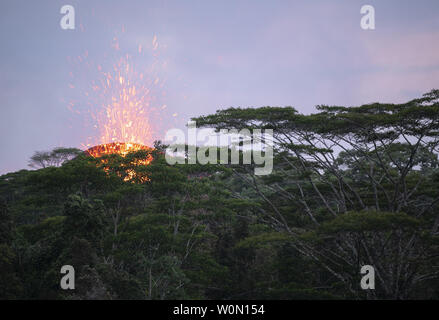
<point>125,117</point>
<point>122,149</point>
<point>122,106</point>
<point>116,147</point>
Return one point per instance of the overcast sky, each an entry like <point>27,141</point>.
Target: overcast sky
<point>218,54</point>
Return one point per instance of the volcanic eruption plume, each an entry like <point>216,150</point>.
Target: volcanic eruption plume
<point>123,105</point>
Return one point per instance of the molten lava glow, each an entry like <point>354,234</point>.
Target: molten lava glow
<point>125,117</point>
<point>123,104</point>
<point>124,97</point>
<point>117,147</point>
<point>122,149</point>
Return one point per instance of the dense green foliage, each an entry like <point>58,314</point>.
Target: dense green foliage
<point>350,187</point>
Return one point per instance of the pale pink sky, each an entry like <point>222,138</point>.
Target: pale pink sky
<point>219,54</point>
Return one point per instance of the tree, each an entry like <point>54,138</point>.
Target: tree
<point>54,158</point>
<point>352,186</point>
<point>10,284</point>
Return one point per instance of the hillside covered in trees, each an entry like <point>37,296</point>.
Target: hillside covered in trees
<point>350,186</point>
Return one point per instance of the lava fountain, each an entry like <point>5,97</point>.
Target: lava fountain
<point>121,148</point>
<point>121,103</point>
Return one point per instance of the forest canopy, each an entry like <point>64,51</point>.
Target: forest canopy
<point>350,186</point>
